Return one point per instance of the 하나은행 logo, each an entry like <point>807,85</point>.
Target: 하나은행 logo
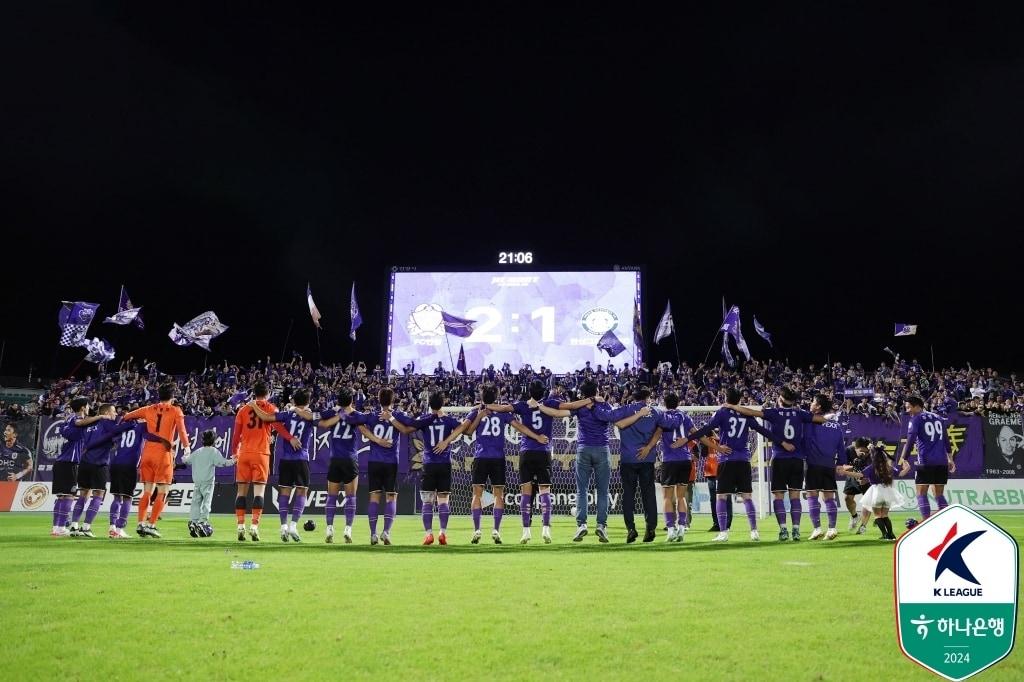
<point>956,578</point>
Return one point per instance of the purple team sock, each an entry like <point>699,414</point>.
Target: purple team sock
<point>443,512</point>
<point>779,507</point>
<point>93,510</point>
<point>389,514</point>
<point>526,510</point>
<point>69,503</point>
<point>60,515</point>
<point>350,509</point>
<point>545,508</point>
<point>722,512</point>
<point>923,506</point>
<point>814,509</point>
<point>498,513</point>
<point>115,509</point>
<point>476,519</point>
<point>79,508</point>
<point>331,509</point>
<point>282,508</point>
<point>940,500</point>
<point>751,513</point>
<point>428,516</point>
<point>795,510</point>
<point>371,513</point>
<point>832,510</point>
<point>126,509</point>
<point>670,519</point>
<point>298,506</point>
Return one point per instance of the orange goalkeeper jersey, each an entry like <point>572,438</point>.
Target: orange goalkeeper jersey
<point>252,434</point>
<point>163,420</point>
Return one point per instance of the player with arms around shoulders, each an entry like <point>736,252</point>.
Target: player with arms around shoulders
<point>94,471</point>
<point>250,448</point>
<point>489,457</point>
<point>156,466</point>
<point>538,413</point>
<point>124,475</point>
<point>676,465</point>
<point>293,467</point>
<point>734,474</point>
<point>787,461</point>
<point>65,469</point>
<point>825,450</point>
<point>934,462</point>
<point>343,471</point>
<point>382,465</point>
<point>440,431</point>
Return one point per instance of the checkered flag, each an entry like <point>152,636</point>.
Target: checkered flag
<point>73,320</point>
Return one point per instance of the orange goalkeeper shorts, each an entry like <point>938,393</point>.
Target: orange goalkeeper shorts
<point>252,468</point>
<point>156,469</point>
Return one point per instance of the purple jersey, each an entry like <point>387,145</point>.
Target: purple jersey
<point>823,445</point>
<point>592,423</point>
<point>787,426</point>
<point>299,428</point>
<point>927,432</point>
<point>385,430</point>
<point>98,441</point>
<point>538,422</point>
<point>436,428</point>
<point>674,425</point>
<point>74,439</point>
<point>128,447</point>
<point>733,432</point>
<point>490,434</point>
<point>343,435</point>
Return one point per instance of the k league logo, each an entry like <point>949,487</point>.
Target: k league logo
<point>956,578</point>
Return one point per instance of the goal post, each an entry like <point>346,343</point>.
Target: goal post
<point>564,438</point>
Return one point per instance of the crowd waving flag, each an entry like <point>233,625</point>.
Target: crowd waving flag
<point>200,330</point>
<point>726,353</point>
<point>665,326</point>
<point>731,326</point>
<point>610,344</point>
<point>73,320</point>
<point>313,312</point>
<point>461,364</point>
<point>762,332</point>
<point>357,319</point>
<point>456,326</point>
<point>906,329</point>
<point>99,351</point>
<point>126,312</point>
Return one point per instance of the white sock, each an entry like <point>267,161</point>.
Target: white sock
<point>86,526</point>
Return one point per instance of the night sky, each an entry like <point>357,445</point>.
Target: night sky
<point>831,170</point>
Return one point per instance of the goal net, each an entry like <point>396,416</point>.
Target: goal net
<point>563,470</point>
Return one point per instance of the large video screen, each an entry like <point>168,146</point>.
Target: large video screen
<point>549,319</point>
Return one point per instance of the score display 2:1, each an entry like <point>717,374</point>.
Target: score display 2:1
<point>515,257</point>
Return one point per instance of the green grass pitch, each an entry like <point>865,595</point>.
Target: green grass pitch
<point>173,608</point>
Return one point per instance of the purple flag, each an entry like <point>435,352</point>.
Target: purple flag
<point>456,326</point>
<point>313,311</point>
<point>357,319</point>
<point>73,320</point>
<point>461,364</point>
<point>665,327</point>
<point>99,351</point>
<point>731,325</point>
<point>762,332</point>
<point>906,329</point>
<point>126,312</point>
<point>611,344</point>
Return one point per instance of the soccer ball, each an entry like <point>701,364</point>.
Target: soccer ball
<point>205,530</point>
<point>572,510</point>
<point>310,524</point>
<point>911,522</point>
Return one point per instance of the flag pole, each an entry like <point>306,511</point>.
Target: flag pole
<point>724,313</point>
<point>286,337</point>
<point>933,357</point>
<point>449,343</point>
<point>319,360</point>
<point>675,340</point>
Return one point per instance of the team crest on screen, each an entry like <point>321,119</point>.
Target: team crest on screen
<point>598,321</point>
<point>53,441</point>
<point>425,325</point>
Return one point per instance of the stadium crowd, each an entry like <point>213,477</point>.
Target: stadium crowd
<point>880,391</point>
